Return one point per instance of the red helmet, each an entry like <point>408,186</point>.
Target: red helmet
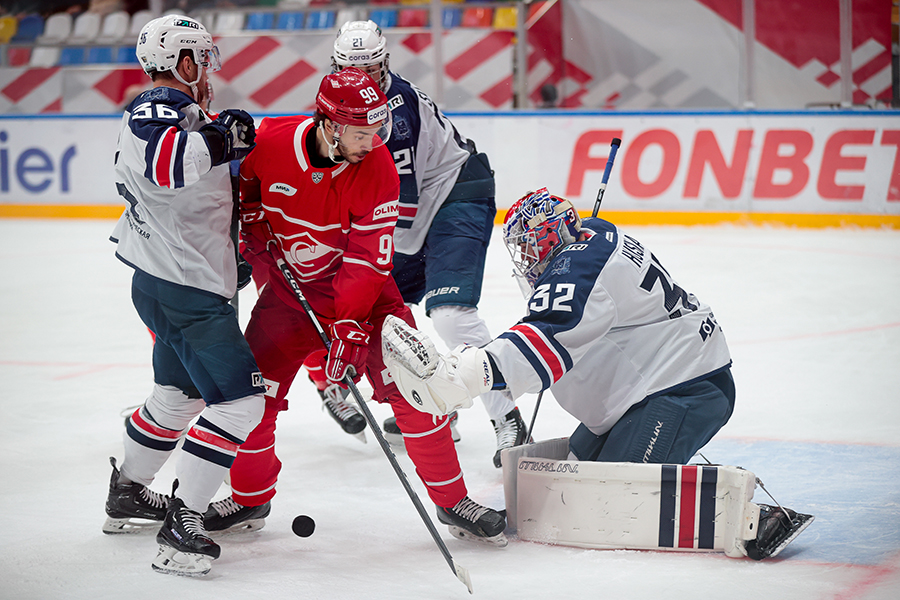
<point>350,97</point>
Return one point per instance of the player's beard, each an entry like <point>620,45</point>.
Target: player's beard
<point>351,157</point>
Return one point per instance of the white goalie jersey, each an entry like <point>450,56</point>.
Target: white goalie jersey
<point>178,218</point>
<point>607,327</point>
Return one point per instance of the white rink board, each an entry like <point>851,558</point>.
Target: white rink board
<point>817,163</point>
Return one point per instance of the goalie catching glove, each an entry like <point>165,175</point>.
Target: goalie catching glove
<point>432,383</point>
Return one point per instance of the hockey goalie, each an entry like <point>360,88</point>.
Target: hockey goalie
<point>644,367</point>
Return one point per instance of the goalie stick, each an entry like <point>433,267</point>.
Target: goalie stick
<point>613,149</point>
<point>460,571</point>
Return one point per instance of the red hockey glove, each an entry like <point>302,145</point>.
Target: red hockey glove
<point>349,346</point>
<point>255,229</point>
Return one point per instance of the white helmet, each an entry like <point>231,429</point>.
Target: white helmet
<point>161,41</point>
<point>361,44</point>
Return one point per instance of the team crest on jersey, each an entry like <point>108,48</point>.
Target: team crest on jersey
<point>561,266</point>
<point>317,176</point>
<point>308,254</point>
<point>282,188</point>
<point>400,130</point>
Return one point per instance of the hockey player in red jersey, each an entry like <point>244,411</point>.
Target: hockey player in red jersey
<point>322,194</point>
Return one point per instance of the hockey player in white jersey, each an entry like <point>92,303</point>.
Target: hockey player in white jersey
<point>172,168</point>
<point>446,214</point>
<point>639,361</point>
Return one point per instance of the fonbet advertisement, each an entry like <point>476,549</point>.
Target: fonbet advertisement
<point>825,163</point>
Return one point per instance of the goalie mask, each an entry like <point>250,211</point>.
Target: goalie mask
<point>536,227</point>
<point>357,109</point>
<point>161,41</point>
<point>361,44</point>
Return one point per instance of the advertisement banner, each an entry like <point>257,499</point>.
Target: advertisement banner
<point>730,162</point>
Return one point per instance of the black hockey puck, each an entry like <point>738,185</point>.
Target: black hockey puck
<point>303,526</point>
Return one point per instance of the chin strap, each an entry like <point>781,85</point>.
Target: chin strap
<point>193,86</point>
<point>335,138</point>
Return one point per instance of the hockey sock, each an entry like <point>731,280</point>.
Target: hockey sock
<point>153,432</point>
<point>211,445</point>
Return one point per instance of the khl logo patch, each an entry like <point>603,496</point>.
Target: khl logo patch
<point>317,176</point>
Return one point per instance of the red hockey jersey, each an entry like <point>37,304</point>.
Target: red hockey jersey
<point>334,226</point>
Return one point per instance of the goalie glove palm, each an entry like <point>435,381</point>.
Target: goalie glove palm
<point>432,383</point>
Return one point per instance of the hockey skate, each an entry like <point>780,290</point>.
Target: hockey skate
<point>511,431</point>
<point>468,520</point>
<point>334,400</point>
<point>394,436</point>
<point>184,546</point>
<point>227,516</point>
<point>776,529</point>
<point>132,507</point>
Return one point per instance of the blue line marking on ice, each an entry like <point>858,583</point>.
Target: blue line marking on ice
<point>852,490</point>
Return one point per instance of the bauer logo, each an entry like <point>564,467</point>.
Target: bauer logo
<point>282,188</point>
<point>388,210</point>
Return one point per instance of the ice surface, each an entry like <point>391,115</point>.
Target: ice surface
<point>813,321</point>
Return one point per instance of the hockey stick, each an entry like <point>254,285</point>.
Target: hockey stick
<point>613,148</point>
<point>460,571</point>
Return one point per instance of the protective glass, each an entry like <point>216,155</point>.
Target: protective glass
<point>210,59</point>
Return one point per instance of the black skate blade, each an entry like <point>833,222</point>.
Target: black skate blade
<point>130,525</point>
<point>800,522</point>
<point>498,541</point>
<point>184,564</point>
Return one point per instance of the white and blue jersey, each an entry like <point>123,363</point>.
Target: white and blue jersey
<point>606,327</point>
<point>428,153</point>
<point>178,220</point>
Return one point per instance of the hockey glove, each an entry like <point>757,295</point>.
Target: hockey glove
<point>349,347</point>
<point>432,383</point>
<point>230,137</point>
<point>244,272</point>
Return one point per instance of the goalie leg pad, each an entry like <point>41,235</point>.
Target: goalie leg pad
<point>635,506</point>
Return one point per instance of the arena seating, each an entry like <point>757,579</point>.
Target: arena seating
<point>90,38</point>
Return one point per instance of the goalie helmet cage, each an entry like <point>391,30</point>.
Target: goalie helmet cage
<point>692,508</point>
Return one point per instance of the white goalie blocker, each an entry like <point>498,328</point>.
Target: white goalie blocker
<point>688,508</point>
<point>431,383</point>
